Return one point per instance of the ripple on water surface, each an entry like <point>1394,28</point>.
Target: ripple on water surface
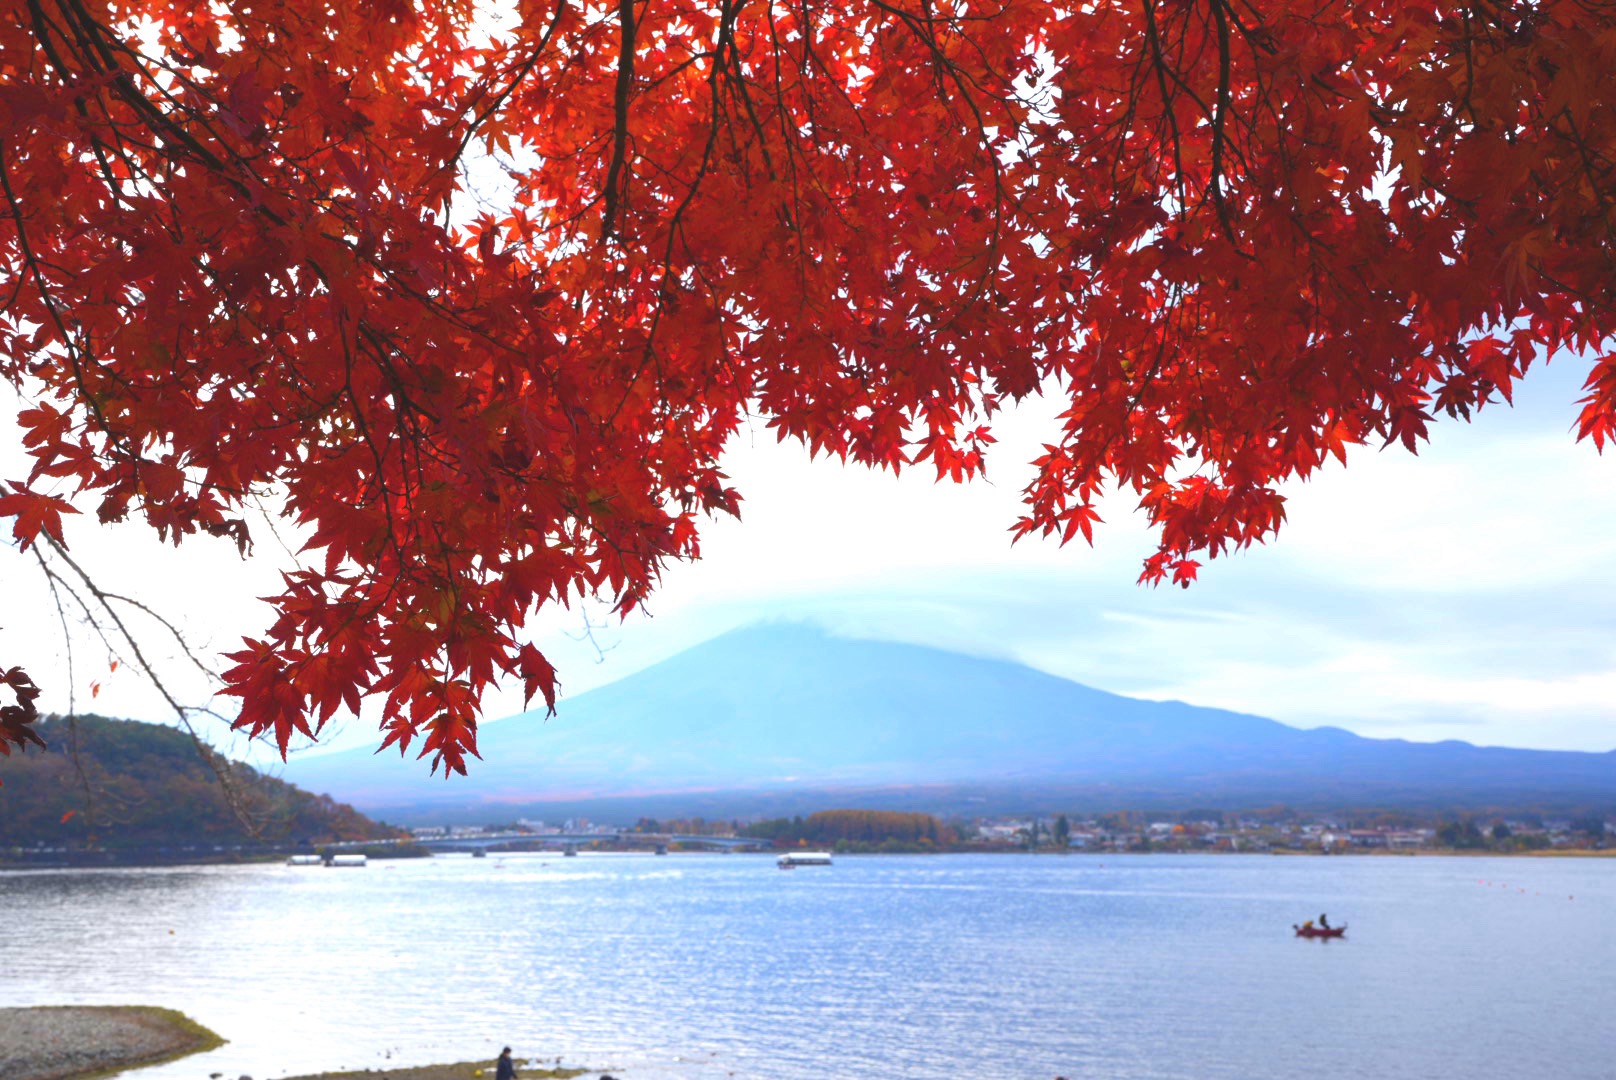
<point>1121,968</point>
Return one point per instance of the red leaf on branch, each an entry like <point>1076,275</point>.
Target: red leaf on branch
<point>1188,238</point>
<point>35,513</point>
<point>17,719</point>
<point>538,676</point>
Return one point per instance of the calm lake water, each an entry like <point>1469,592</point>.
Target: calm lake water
<point>1111,968</point>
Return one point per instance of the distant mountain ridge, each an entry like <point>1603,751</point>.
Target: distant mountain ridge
<point>782,715</point>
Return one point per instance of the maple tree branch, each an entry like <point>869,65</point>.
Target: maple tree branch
<point>260,284</point>
<point>41,34</point>
<point>625,84</point>
<point>71,342</point>
<point>1594,171</point>
<point>648,355</point>
<point>1161,68</point>
<point>97,35</point>
<point>102,58</point>
<point>1220,119</point>
<point>727,47</point>
<point>51,581</point>
<point>220,766</point>
<point>792,212</point>
<point>522,71</point>
<point>945,71</point>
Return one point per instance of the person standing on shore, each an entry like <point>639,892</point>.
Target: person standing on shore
<point>504,1068</point>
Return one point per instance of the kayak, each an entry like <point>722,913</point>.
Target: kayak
<point>1319,931</point>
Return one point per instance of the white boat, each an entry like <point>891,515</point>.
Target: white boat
<point>304,860</point>
<point>347,860</point>
<point>793,859</point>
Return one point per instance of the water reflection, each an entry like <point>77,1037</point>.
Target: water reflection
<point>695,966</point>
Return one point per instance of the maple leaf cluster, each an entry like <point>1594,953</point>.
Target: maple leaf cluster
<point>17,719</point>
<point>1239,237</point>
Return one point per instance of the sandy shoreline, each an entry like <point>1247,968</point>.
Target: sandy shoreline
<point>80,1042</point>
<point>83,1042</point>
<point>460,1070</point>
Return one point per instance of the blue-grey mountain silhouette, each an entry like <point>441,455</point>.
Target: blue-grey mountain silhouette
<point>777,717</point>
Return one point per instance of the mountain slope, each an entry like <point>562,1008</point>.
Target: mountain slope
<point>132,784</point>
<point>781,708</point>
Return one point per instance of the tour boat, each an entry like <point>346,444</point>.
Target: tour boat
<point>793,859</point>
<point>1319,931</point>
<point>347,860</point>
<point>304,860</point>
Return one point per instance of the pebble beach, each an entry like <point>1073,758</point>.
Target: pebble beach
<point>78,1042</point>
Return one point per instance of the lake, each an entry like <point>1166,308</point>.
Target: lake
<point>1153,967</point>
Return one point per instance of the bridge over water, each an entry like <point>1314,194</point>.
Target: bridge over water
<point>573,841</point>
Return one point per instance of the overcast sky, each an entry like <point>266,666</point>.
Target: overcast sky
<point>1466,594</point>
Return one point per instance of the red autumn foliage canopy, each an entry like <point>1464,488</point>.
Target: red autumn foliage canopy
<point>241,256</point>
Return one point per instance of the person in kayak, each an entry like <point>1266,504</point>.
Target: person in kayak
<point>1324,922</point>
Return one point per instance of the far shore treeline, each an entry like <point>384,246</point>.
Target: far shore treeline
<point>857,830</point>
<point>124,792</point>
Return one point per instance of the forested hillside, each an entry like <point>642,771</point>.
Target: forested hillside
<point>121,783</point>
